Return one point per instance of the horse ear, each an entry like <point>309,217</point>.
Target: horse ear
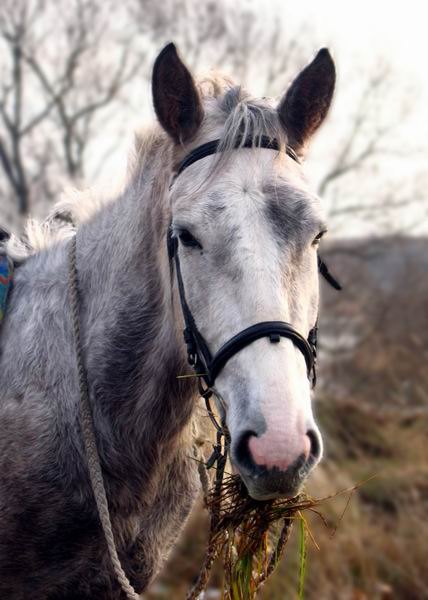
<point>306,103</point>
<point>175,97</point>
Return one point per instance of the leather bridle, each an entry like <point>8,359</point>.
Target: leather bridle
<point>206,365</point>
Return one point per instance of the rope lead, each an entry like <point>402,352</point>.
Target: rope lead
<point>87,426</point>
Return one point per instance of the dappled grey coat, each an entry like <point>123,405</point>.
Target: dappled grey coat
<point>51,544</point>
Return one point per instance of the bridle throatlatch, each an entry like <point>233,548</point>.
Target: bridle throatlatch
<point>207,366</point>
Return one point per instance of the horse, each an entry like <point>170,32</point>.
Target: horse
<point>245,225</point>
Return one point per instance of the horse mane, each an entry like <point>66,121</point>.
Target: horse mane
<point>74,207</point>
<point>226,104</point>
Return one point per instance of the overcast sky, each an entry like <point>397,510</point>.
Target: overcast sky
<point>396,29</point>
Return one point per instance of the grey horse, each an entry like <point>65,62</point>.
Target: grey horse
<point>248,226</point>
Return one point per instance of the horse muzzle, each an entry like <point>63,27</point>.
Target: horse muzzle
<point>268,475</point>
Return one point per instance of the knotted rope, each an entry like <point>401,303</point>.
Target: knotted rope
<point>87,426</point>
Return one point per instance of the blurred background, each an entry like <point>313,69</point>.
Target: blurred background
<point>75,85</point>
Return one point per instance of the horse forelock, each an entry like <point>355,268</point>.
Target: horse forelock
<point>232,114</point>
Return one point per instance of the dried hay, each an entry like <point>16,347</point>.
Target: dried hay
<point>249,536</point>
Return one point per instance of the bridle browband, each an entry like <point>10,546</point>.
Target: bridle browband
<point>206,366</point>
<point>212,147</point>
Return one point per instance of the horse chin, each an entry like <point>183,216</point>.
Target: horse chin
<point>271,485</point>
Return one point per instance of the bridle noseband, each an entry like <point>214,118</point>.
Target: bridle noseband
<point>206,366</point>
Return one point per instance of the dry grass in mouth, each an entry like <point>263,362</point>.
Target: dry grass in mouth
<point>249,536</point>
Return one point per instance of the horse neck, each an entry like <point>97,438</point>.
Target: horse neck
<point>129,322</point>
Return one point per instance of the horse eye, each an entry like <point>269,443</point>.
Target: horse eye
<point>187,239</point>
<point>318,238</point>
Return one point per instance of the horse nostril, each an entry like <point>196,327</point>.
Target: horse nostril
<point>253,454</point>
<point>242,451</point>
<point>315,450</point>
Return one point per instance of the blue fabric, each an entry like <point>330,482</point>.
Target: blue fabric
<point>6,275</point>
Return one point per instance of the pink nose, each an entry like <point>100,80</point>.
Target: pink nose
<point>281,453</point>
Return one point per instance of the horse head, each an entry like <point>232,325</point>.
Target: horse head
<point>246,226</point>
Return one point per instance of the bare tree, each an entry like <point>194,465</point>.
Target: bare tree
<point>356,177</point>
<point>63,66</point>
<point>227,35</point>
<point>66,66</point>
<point>364,180</point>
